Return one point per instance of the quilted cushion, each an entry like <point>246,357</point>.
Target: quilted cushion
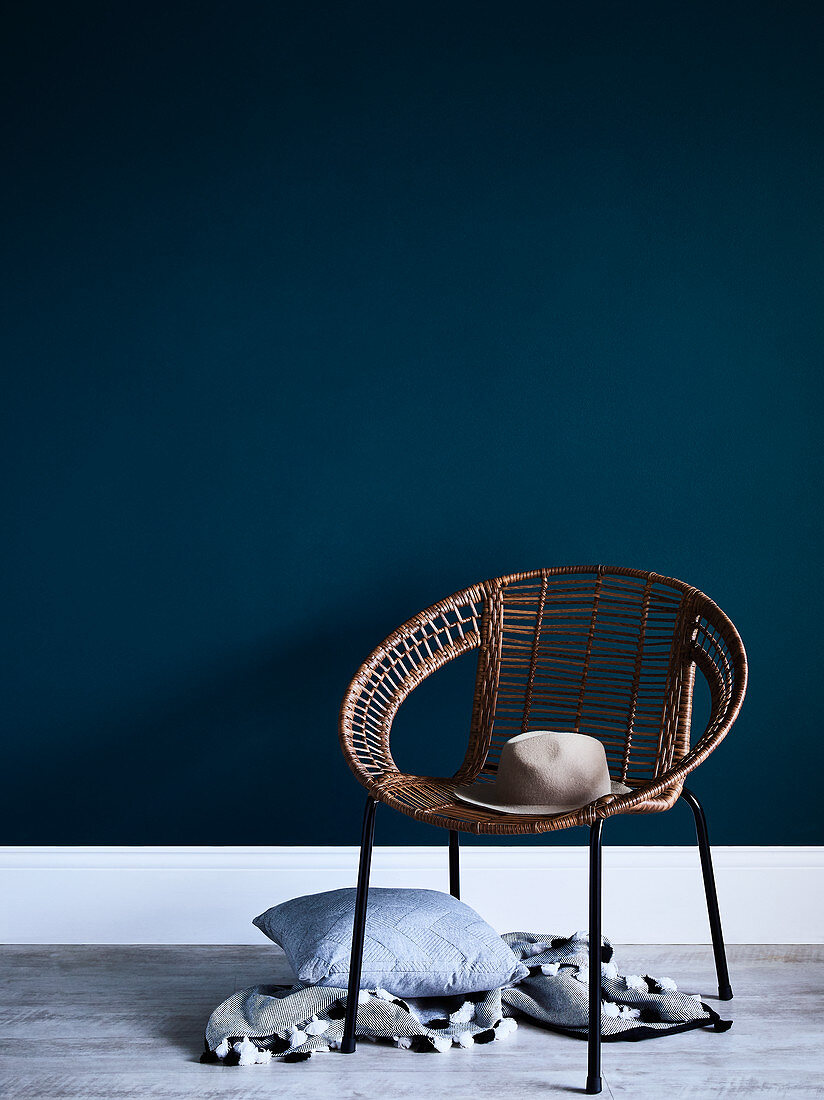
<point>419,943</point>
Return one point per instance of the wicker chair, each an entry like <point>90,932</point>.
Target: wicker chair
<point>609,652</point>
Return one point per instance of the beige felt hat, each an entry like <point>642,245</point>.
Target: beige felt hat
<point>545,772</point>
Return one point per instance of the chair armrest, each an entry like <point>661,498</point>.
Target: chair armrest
<point>425,643</point>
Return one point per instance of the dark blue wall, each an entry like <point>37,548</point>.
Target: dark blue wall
<point>316,313</point>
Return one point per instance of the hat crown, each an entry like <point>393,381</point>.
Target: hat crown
<point>534,752</point>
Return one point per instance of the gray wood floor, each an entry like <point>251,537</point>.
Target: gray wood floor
<point>101,1022</point>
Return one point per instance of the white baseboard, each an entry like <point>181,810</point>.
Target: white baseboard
<point>209,895</point>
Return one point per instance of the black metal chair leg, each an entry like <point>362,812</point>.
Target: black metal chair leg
<point>359,927</point>
<point>594,1032</point>
<point>455,863</point>
<point>724,987</point>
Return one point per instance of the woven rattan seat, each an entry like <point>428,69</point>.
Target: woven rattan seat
<point>606,651</point>
<point>434,799</point>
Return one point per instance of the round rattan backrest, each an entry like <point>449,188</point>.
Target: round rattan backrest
<point>605,651</point>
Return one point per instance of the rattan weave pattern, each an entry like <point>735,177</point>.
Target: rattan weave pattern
<point>606,651</point>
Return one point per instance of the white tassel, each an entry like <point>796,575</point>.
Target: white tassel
<point>609,970</point>
<point>248,1053</point>
<point>668,984</point>
<point>464,1014</point>
<point>316,1026</point>
<point>635,981</point>
<point>403,1041</point>
<point>610,1009</point>
<point>550,968</point>
<point>363,996</point>
<point>465,1040</point>
<point>506,1027</point>
<point>296,1037</point>
<point>441,1043</point>
<point>222,1049</point>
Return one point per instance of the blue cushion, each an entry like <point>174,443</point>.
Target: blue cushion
<point>419,943</point>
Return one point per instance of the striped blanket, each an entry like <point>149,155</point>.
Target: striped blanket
<point>290,1023</point>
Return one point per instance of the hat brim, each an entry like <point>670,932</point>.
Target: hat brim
<point>489,802</point>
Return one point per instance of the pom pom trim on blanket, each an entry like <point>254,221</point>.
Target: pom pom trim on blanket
<point>291,1023</point>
